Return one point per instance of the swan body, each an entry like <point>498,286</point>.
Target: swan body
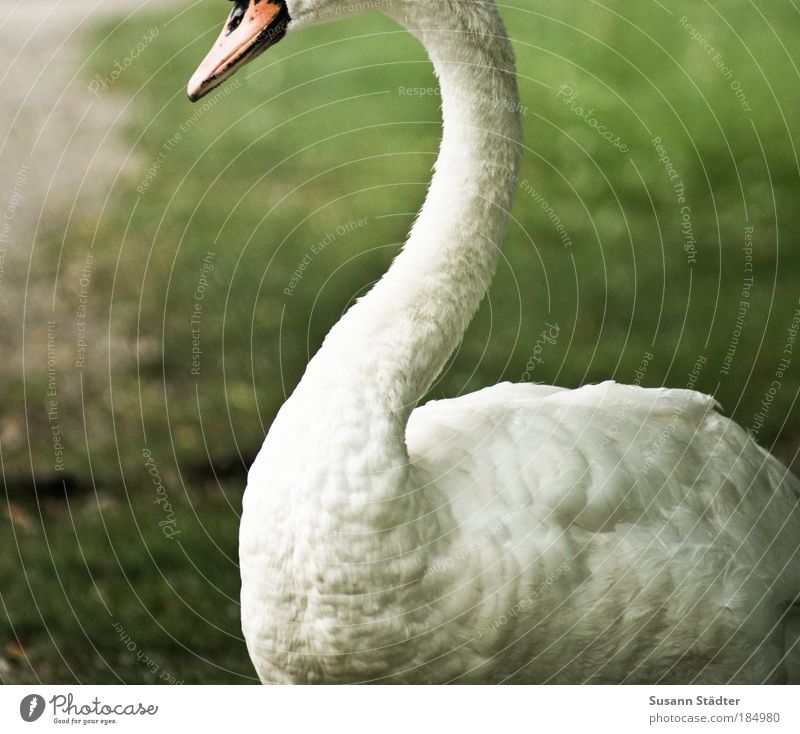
<point>522,533</point>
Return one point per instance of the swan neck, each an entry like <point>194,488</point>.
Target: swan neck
<point>414,318</point>
<point>337,450</point>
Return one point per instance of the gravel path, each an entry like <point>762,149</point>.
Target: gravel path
<point>49,119</point>
<point>60,149</point>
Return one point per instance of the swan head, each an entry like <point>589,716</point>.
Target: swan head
<point>255,25</point>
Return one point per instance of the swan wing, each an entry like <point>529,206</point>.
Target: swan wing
<point>642,505</point>
<point>591,458</point>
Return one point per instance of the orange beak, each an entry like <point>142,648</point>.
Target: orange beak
<point>252,27</point>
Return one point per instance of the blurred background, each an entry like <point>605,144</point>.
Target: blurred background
<point>167,269</point>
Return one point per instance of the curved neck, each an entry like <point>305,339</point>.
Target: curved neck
<point>403,331</point>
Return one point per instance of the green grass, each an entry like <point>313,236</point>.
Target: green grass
<point>100,595</point>
<point>316,134</point>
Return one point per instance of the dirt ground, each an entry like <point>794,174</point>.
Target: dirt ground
<point>61,146</point>
<point>49,119</point>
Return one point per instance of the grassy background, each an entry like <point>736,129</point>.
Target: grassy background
<point>317,133</point>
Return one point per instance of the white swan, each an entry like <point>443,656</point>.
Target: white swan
<point>522,533</point>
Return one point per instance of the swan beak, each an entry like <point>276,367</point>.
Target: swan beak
<point>251,28</point>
